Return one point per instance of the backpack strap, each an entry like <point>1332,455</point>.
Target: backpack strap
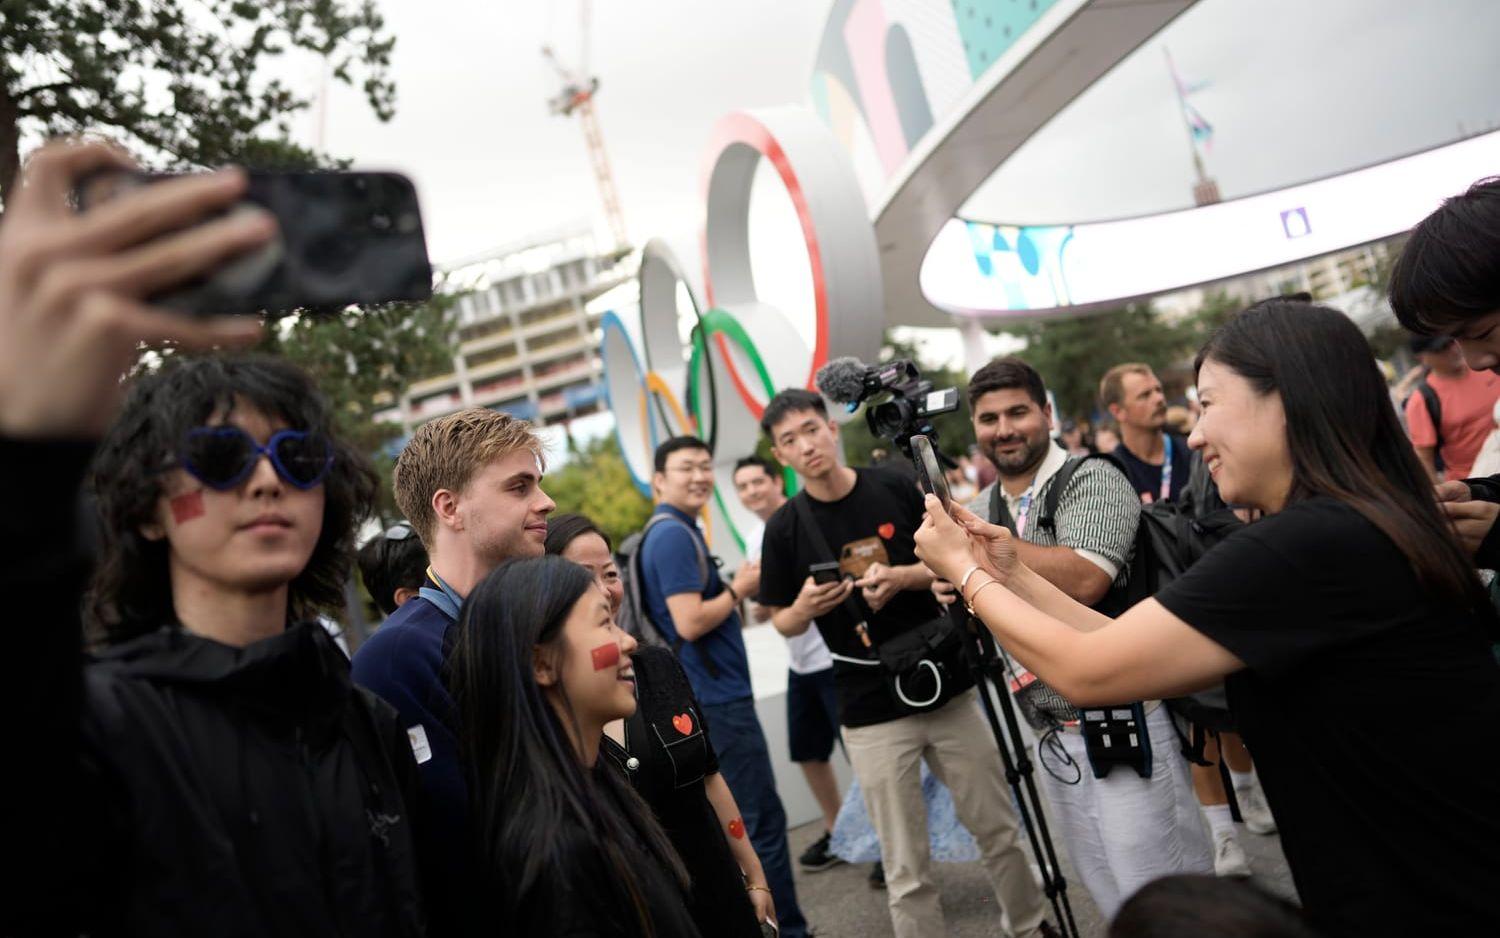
<point>701,555</point>
<point>1435,413</point>
<point>999,511</point>
<point>1064,475</point>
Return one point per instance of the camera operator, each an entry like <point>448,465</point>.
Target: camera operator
<point>869,516</point>
<point>1349,598</point>
<point>1122,830</point>
<point>210,770</point>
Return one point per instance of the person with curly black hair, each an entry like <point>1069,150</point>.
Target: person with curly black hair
<point>207,767</point>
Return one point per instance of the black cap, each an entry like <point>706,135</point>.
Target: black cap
<point>1429,343</point>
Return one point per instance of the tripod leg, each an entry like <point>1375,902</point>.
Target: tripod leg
<point>980,649</point>
<point>1029,806</point>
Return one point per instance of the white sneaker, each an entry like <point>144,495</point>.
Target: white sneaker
<point>1229,857</point>
<point>1255,811</point>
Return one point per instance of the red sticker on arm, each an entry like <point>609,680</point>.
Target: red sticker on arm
<point>737,829</point>
<point>187,506</point>
<point>606,656</point>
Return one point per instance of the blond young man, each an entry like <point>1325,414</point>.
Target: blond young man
<point>470,485</point>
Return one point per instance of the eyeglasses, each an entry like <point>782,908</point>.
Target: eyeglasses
<point>399,531</point>
<point>223,457</point>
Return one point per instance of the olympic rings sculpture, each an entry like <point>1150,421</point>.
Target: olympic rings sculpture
<point>743,350</point>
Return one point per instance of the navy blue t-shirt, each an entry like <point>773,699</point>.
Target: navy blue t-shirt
<point>1146,478</point>
<point>669,567</point>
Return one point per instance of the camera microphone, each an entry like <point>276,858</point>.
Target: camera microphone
<point>842,380</point>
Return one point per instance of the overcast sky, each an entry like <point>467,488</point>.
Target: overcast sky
<point>1298,89</point>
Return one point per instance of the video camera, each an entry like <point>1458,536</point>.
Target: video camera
<point>913,401</point>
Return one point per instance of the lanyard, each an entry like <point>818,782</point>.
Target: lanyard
<point>1166,468</point>
<point>443,597</point>
<point>1023,508</point>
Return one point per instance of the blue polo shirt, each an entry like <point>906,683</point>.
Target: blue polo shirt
<point>669,567</point>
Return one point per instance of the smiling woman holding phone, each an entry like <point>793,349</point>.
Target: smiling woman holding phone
<point>1353,632</point>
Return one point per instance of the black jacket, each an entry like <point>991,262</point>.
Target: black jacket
<point>178,786</point>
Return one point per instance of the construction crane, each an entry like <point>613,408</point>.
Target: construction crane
<point>577,98</point>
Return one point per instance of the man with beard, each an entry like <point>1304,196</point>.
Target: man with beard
<point>1157,462</point>
<point>1122,831</point>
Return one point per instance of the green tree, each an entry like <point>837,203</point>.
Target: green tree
<point>184,82</point>
<point>1073,354</point>
<point>596,483</point>
<point>363,358</point>
<point>955,432</point>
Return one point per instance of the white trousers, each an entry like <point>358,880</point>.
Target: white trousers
<point>1124,831</point>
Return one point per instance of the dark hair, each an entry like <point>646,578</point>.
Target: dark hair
<point>1002,374</point>
<point>563,530</point>
<point>764,464</point>
<point>131,593</point>
<point>532,797</point>
<point>387,564</point>
<point>1186,906</point>
<point>791,401</point>
<point>1449,271</point>
<point>1342,432</point>
<point>677,444</point>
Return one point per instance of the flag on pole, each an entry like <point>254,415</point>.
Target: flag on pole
<point>1201,131</point>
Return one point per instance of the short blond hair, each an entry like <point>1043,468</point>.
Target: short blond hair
<point>446,453</point>
<point>1112,385</point>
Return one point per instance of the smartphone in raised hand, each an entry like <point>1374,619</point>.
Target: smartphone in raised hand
<point>344,238</point>
<point>929,471</point>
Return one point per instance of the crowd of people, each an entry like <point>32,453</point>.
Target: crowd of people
<point>551,734</point>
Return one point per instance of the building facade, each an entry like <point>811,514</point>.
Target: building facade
<point>527,344</point>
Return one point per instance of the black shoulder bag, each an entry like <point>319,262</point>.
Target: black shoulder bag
<point>921,665</point>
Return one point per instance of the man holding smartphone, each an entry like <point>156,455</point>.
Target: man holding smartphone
<point>869,517</point>
<point>1121,831</point>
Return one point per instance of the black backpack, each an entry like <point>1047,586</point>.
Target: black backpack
<point>1434,406</point>
<point>1170,537</point>
<point>634,617</point>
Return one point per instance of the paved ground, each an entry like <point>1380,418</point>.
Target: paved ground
<point>840,904</point>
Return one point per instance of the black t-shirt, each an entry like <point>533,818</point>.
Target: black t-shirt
<point>1146,478</point>
<point>1370,711</point>
<point>874,522</point>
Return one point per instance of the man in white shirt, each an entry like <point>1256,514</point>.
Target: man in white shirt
<point>811,697</point>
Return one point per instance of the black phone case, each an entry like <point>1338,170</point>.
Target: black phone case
<point>344,238</point>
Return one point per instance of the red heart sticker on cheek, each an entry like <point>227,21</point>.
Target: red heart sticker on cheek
<point>887,530</point>
<point>683,723</point>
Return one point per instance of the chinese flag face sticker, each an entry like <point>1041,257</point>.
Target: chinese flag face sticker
<point>606,656</point>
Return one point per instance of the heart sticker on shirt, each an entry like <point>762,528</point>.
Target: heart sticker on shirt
<point>683,723</point>
<point>886,531</point>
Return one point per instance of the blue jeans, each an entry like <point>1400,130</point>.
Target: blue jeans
<point>745,763</point>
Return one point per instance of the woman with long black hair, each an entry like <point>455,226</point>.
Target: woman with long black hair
<point>664,750</point>
<point>1353,632</point>
<point>538,669</point>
